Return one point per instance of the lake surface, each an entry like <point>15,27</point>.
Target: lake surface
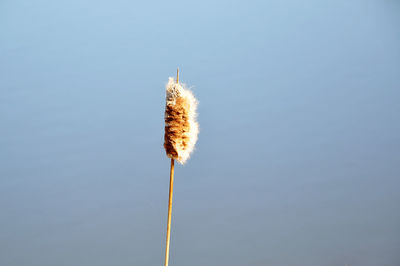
<point>298,158</point>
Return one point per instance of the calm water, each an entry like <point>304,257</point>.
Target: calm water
<point>298,159</point>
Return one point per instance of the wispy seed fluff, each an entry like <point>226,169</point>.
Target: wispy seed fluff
<point>181,127</point>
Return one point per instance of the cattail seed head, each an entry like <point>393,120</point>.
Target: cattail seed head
<point>181,127</point>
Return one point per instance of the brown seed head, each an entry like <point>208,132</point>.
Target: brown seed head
<point>181,128</point>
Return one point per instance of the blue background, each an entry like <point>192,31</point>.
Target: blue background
<point>298,158</point>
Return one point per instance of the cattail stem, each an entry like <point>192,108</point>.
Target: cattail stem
<point>171,190</point>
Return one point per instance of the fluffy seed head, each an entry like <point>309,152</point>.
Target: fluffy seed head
<point>181,127</point>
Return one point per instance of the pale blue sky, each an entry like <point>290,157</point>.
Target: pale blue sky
<point>297,162</point>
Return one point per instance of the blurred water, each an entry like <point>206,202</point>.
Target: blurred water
<point>298,157</point>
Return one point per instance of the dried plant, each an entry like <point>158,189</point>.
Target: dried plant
<point>181,130</point>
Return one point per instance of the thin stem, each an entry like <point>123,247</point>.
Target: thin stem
<point>171,189</point>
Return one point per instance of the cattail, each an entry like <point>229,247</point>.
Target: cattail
<point>181,128</point>
<point>181,131</point>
